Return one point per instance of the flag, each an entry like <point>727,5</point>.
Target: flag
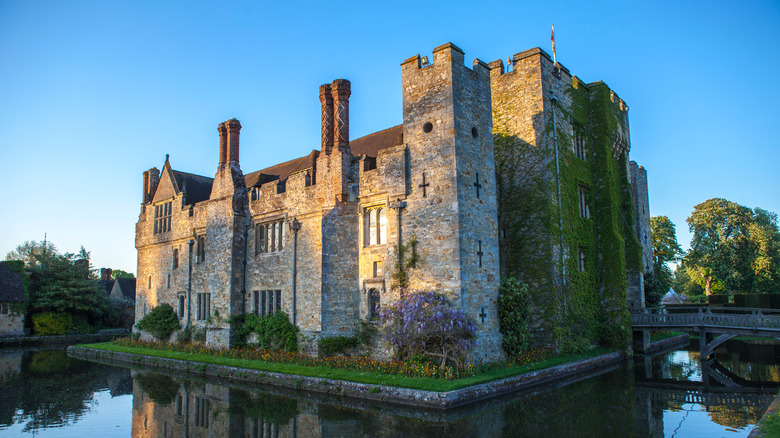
<point>552,38</point>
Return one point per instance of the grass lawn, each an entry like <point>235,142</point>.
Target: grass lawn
<point>375,378</point>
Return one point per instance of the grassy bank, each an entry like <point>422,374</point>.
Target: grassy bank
<point>495,372</point>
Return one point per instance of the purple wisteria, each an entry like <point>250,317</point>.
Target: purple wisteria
<point>424,324</point>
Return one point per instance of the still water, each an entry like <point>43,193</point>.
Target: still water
<point>46,393</point>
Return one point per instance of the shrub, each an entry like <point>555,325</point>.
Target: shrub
<point>337,344</point>
<point>718,299</point>
<point>513,299</point>
<point>160,322</point>
<point>423,323</point>
<point>274,332</point>
<point>364,331</point>
<point>52,323</point>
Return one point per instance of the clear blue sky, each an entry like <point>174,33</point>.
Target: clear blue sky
<point>94,93</point>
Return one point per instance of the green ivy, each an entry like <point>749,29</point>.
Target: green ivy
<point>513,314</point>
<point>589,305</point>
<point>399,276</point>
<point>274,332</point>
<point>160,322</point>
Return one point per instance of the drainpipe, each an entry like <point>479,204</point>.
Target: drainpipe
<point>554,100</point>
<point>295,226</point>
<point>189,282</point>
<point>246,253</point>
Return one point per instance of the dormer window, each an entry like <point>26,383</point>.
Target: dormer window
<point>162,217</point>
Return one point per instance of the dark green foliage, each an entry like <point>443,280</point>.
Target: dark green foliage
<point>718,300</point>
<point>271,408</point>
<point>513,303</point>
<point>52,323</point>
<point>160,389</point>
<point>274,332</point>
<point>363,333</point>
<point>764,301</point>
<point>160,322</point>
<point>337,344</point>
<point>59,284</point>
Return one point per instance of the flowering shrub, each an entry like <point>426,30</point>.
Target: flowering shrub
<point>422,324</point>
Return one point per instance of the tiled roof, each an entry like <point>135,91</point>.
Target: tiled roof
<point>107,285</point>
<point>127,287</point>
<point>369,145</point>
<point>196,188</point>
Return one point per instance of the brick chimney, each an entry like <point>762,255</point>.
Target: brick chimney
<point>326,98</point>
<point>105,273</point>
<point>222,144</point>
<point>341,90</point>
<point>233,128</point>
<point>151,178</point>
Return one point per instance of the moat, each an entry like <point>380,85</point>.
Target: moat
<point>47,393</point>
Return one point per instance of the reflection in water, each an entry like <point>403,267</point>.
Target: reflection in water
<point>668,395</point>
<point>46,388</point>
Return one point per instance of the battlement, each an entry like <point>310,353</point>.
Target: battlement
<point>445,54</point>
<point>497,66</point>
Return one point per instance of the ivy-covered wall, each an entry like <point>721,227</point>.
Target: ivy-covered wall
<point>578,292</point>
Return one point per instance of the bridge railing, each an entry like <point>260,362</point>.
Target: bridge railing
<point>737,317</point>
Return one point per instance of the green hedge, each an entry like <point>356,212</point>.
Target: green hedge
<point>718,299</point>
<point>764,301</point>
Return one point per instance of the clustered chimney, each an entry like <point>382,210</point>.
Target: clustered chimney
<point>151,178</point>
<point>335,115</point>
<point>228,142</point>
<point>105,273</point>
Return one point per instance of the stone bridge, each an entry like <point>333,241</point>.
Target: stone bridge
<point>714,325</point>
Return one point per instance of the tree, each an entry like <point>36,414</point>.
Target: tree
<point>60,284</point>
<point>118,273</point>
<point>735,245</point>
<point>665,250</point>
<point>29,250</point>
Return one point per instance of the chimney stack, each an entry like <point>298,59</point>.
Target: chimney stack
<point>222,144</point>
<point>341,90</point>
<point>233,128</point>
<point>105,273</point>
<point>151,178</point>
<point>326,98</point>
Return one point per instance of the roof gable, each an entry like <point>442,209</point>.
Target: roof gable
<point>167,188</point>
<point>125,287</point>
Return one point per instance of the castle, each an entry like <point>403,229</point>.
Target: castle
<point>328,237</point>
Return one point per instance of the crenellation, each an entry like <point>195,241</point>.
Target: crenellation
<point>435,180</point>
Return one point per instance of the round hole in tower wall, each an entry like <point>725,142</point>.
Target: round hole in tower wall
<point>474,132</point>
<point>428,127</point>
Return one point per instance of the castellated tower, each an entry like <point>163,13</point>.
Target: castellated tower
<point>566,209</point>
<point>451,209</point>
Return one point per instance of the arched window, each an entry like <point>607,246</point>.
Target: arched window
<point>376,226</point>
<point>373,303</point>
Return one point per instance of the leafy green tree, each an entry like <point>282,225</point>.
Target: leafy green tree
<point>60,284</point>
<point>29,250</point>
<point>665,250</point>
<point>118,273</point>
<point>735,245</point>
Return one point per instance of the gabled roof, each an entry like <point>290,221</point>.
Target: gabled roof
<point>196,188</point>
<point>11,285</point>
<point>126,287</point>
<point>107,285</point>
<point>369,145</point>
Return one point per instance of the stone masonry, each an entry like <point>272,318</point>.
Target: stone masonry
<point>318,236</point>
